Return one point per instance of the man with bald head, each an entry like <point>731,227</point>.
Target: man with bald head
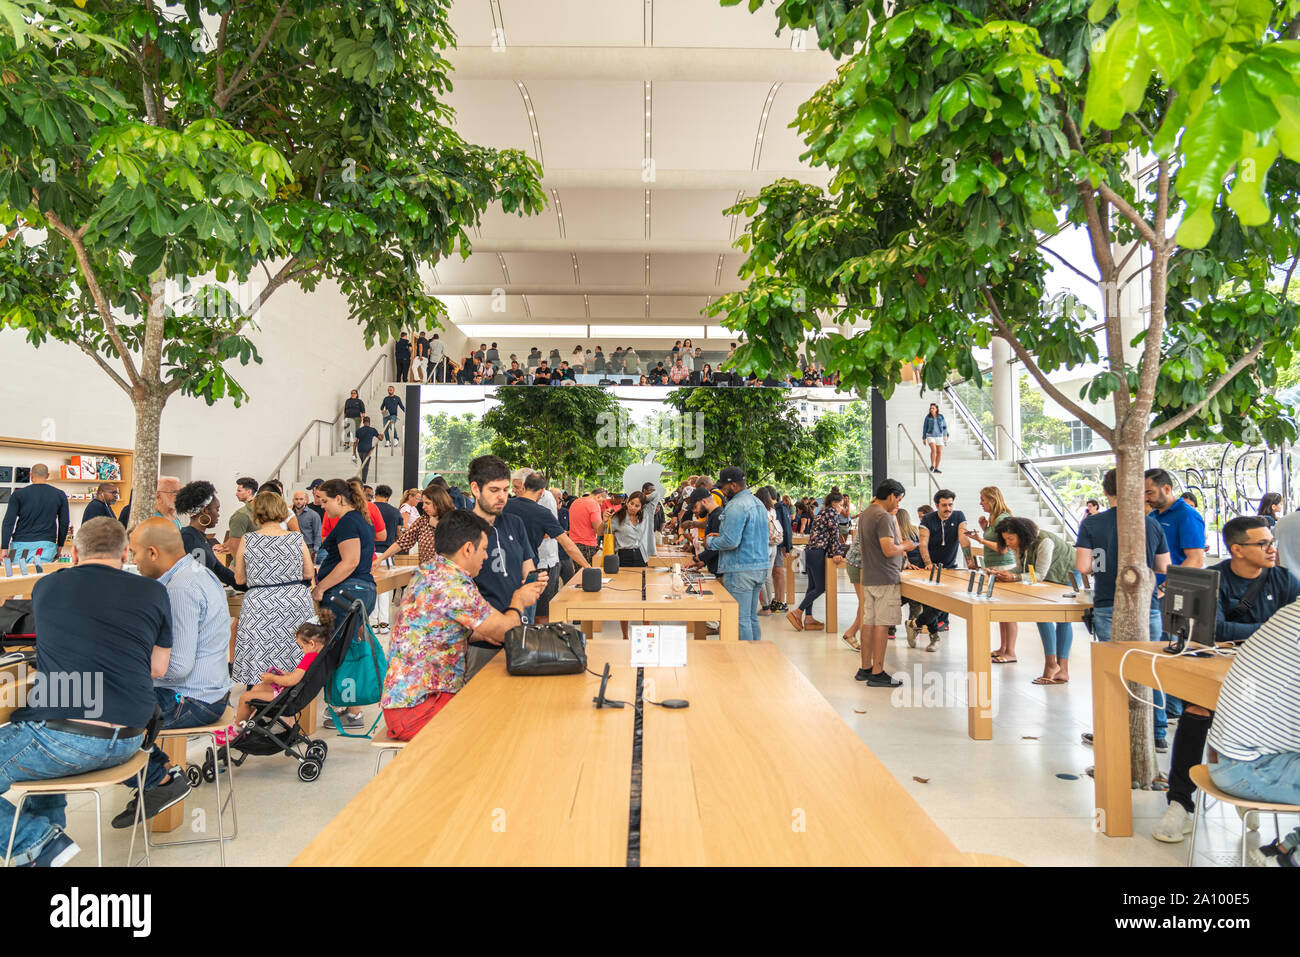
<point>196,687</point>
<point>164,502</point>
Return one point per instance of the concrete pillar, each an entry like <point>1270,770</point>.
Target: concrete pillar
<point>1006,400</point>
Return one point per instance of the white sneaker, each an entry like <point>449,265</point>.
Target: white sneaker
<point>911,632</point>
<point>933,645</point>
<point>1249,817</point>
<point>1174,826</point>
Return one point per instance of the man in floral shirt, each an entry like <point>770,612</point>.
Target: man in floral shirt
<point>441,613</point>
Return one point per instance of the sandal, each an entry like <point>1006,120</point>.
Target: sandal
<point>852,641</point>
<point>797,623</point>
<point>1050,681</point>
<point>1003,660</point>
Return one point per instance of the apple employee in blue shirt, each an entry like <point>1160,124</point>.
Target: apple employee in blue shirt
<point>1185,531</point>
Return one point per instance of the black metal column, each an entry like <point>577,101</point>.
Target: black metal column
<point>879,440</point>
<point>411,441</point>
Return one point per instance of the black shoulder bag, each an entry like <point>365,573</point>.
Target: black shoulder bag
<point>557,648</point>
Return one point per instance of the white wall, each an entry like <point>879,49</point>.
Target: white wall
<point>311,356</point>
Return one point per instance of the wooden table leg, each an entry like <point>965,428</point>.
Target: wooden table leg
<point>175,747</point>
<point>1113,773</point>
<point>789,578</point>
<point>979,676</point>
<point>832,597</point>
<point>589,629</point>
<point>307,716</point>
<point>729,625</point>
<point>700,630</point>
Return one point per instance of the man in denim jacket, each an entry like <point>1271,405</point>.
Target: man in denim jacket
<point>742,548</point>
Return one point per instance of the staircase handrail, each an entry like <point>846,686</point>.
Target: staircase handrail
<point>295,450</point>
<point>1040,483</point>
<point>919,457</point>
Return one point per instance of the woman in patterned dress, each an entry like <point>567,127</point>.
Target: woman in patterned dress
<point>274,563</point>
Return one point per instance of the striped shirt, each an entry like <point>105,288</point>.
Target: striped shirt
<point>200,632</point>
<point>1259,706</point>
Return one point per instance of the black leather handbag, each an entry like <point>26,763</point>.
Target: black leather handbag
<point>557,648</point>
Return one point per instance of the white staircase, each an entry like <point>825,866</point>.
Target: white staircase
<point>386,462</point>
<point>966,466</point>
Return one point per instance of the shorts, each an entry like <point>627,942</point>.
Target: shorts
<point>935,440</point>
<point>589,552</point>
<point>403,723</point>
<point>854,573</point>
<point>882,605</point>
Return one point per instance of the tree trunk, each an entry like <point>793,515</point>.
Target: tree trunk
<point>144,481</point>
<point>1134,582</point>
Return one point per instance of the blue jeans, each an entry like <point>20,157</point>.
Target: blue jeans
<point>1057,638</point>
<point>814,566</point>
<point>1101,622</point>
<point>178,712</point>
<point>34,551</point>
<point>29,751</point>
<point>743,586</point>
<point>1274,778</point>
<point>390,421</point>
<point>339,598</point>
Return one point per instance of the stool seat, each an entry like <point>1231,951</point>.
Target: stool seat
<point>1200,776</point>
<point>388,744</point>
<point>221,724</point>
<point>88,781</point>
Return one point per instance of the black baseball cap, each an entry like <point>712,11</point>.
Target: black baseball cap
<point>699,495</point>
<point>732,473</point>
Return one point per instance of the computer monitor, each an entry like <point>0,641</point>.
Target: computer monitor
<point>1191,597</point>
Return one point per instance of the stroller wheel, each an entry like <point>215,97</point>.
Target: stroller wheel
<point>318,749</point>
<point>194,774</point>
<point>309,770</point>
<point>209,772</point>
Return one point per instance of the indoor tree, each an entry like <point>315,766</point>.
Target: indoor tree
<point>962,136</point>
<point>152,154</point>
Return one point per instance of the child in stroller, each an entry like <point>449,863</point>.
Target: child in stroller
<point>311,638</point>
<point>272,726</point>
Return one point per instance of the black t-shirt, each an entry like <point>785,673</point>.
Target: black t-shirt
<point>713,524</point>
<point>97,508</point>
<point>103,624</point>
<point>503,570</point>
<point>392,524</point>
<point>352,525</point>
<point>319,510</point>
<point>944,543</point>
<point>403,350</point>
<point>197,543</point>
<point>1100,534</point>
<point>366,436</point>
<point>537,519</point>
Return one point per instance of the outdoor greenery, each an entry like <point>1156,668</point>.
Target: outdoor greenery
<point>450,441</point>
<point>556,432</point>
<point>960,137</point>
<point>166,168</point>
<point>755,429</point>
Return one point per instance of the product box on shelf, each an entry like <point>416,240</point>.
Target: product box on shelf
<point>88,464</point>
<point>109,470</point>
<point>70,472</point>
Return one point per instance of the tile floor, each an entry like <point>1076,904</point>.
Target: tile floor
<point>1000,797</point>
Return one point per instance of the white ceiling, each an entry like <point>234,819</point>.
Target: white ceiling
<point>572,87</point>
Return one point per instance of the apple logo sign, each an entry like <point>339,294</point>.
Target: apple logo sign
<point>636,475</point>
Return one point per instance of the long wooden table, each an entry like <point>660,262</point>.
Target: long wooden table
<point>20,586</point>
<point>1196,680</point>
<point>1011,601</point>
<point>524,771</point>
<point>620,600</point>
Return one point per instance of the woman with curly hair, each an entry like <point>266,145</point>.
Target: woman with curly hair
<point>198,502</point>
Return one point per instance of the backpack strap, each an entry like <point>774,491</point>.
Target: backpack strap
<point>1249,597</point>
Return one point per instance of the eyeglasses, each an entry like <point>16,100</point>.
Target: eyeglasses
<point>1268,544</point>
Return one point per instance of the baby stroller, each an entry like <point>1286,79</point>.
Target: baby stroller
<point>272,728</point>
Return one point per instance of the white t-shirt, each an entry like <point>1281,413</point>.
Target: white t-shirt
<point>436,350</point>
<point>548,553</point>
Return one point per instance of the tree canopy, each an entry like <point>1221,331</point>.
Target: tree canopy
<point>152,156</point>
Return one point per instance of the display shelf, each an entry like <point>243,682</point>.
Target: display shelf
<point>19,452</point>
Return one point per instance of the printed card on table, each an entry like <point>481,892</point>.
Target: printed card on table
<point>658,646</point>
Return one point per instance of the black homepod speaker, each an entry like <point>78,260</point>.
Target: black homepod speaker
<point>611,563</point>
<point>591,579</point>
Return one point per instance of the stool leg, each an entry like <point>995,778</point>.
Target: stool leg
<point>221,810</point>
<point>1244,831</point>
<point>99,831</point>
<point>13,831</point>
<point>1196,820</point>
